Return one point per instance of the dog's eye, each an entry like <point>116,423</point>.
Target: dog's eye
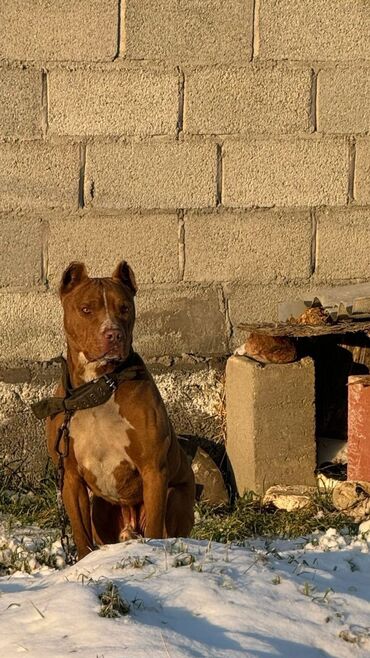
<point>124,309</point>
<point>85,309</point>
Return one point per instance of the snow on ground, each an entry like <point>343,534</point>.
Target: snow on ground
<point>290,599</point>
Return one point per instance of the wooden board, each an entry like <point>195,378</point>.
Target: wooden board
<point>295,330</point>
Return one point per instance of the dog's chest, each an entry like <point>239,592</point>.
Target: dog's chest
<point>100,439</point>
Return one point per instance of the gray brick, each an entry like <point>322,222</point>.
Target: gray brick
<point>20,103</point>
<point>113,102</point>
<point>343,244</point>
<point>197,31</point>
<point>247,100</point>
<point>315,30</point>
<point>174,320</point>
<point>148,242</point>
<point>20,250</point>
<point>343,98</point>
<point>286,172</point>
<point>255,246</point>
<point>38,175</point>
<point>152,174</point>
<point>362,170</point>
<point>31,327</point>
<point>248,303</point>
<point>86,30</point>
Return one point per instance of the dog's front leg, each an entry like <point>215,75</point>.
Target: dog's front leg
<point>77,504</point>
<point>155,485</point>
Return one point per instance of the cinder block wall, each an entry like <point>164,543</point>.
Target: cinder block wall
<point>221,146</point>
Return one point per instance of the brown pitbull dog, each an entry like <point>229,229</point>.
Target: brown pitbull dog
<point>125,451</point>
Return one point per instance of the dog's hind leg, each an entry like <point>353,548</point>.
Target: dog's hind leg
<point>180,510</point>
<point>114,523</point>
<point>106,521</point>
<point>180,503</point>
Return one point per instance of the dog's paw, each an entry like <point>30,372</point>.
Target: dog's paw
<point>128,533</point>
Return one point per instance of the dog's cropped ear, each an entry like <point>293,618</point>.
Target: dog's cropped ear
<point>71,277</point>
<point>124,273</point>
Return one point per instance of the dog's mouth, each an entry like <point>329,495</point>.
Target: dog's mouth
<point>111,356</point>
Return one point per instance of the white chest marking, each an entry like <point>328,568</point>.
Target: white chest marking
<point>100,439</point>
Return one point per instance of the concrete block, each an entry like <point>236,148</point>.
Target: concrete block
<point>113,102</point>
<point>79,31</point>
<point>248,303</point>
<point>255,246</point>
<point>38,175</point>
<point>30,327</point>
<point>316,30</point>
<point>20,103</point>
<point>343,100</point>
<point>245,100</point>
<point>362,171</point>
<point>196,31</point>
<point>20,250</point>
<point>153,174</point>
<point>148,242</point>
<point>286,172</point>
<point>343,244</point>
<point>270,415</point>
<point>183,319</point>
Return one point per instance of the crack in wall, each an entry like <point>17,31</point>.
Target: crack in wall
<point>314,241</point>
<point>81,183</point>
<point>181,238</point>
<point>44,102</point>
<point>351,170</point>
<point>181,100</point>
<point>45,254</point>
<point>219,166</point>
<point>313,100</point>
<point>224,307</point>
<point>121,6</point>
<point>255,29</point>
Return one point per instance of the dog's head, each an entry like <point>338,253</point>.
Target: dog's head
<point>99,313</point>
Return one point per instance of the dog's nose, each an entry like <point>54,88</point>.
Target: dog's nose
<point>113,335</point>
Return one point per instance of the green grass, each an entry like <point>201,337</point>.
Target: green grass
<point>112,605</point>
<point>248,518</point>
<point>245,518</point>
<point>28,504</point>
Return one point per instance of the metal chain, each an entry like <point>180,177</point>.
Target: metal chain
<point>63,435</point>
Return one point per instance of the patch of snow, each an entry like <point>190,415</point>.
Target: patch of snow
<point>288,599</point>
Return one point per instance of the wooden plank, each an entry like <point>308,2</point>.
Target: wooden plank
<point>296,330</point>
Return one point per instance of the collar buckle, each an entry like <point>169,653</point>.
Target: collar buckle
<point>111,383</point>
